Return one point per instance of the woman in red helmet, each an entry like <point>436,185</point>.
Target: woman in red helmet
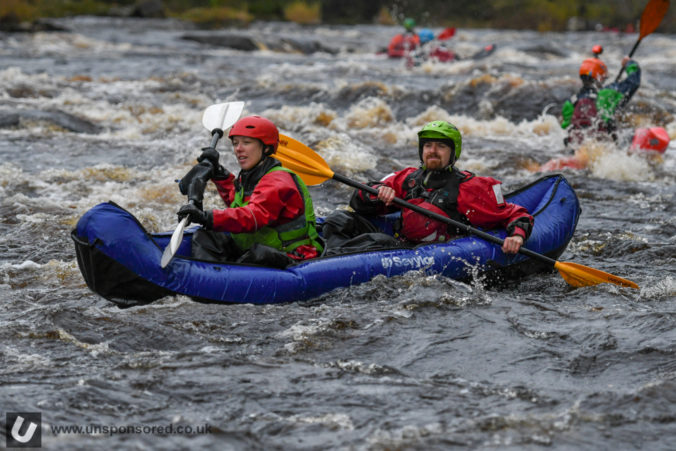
<point>591,112</point>
<point>270,218</point>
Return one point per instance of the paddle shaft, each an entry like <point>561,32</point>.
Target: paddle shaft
<point>652,15</point>
<point>196,188</point>
<point>215,136</point>
<point>638,41</point>
<point>174,243</point>
<point>438,217</point>
<point>195,196</point>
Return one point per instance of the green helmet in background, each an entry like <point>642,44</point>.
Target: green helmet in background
<point>409,24</point>
<point>441,131</point>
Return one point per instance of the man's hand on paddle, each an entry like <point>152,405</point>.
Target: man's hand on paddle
<point>386,194</point>
<point>512,244</point>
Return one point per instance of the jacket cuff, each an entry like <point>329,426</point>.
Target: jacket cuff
<point>631,67</point>
<point>222,181</point>
<point>518,231</point>
<point>220,173</point>
<point>371,197</point>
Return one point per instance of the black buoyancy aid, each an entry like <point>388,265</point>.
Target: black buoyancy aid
<point>439,188</point>
<point>248,180</point>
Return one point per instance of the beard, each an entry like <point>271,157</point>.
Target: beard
<point>434,164</point>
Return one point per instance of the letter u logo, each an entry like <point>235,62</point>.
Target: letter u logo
<point>26,436</point>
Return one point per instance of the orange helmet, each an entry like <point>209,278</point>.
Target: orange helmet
<point>594,67</point>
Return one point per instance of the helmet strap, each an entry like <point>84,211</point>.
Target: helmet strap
<point>268,150</point>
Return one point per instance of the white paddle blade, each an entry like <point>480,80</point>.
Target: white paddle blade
<point>175,241</point>
<point>222,116</point>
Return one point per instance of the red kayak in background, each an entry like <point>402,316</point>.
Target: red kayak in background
<point>442,55</point>
<point>652,141</point>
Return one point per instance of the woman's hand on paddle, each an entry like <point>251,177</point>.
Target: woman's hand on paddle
<point>200,173</point>
<point>196,216</point>
<point>512,244</point>
<point>386,194</point>
<point>211,155</point>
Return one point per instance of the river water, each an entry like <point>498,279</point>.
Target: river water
<point>110,109</point>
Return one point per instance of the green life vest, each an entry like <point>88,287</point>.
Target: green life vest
<point>606,103</point>
<point>567,113</point>
<point>285,237</point>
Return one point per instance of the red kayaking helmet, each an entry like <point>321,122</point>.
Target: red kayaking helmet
<point>594,68</point>
<point>257,127</point>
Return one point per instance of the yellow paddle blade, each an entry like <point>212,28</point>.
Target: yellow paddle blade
<point>652,15</point>
<point>583,276</point>
<point>302,160</point>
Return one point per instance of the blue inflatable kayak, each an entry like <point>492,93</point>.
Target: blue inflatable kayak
<point>120,260</point>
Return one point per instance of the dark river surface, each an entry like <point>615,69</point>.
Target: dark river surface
<point>111,110</point>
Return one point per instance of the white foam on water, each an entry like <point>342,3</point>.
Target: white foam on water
<point>12,76</point>
<point>357,366</point>
<point>344,155</point>
<point>16,360</point>
<point>340,151</point>
<point>133,119</point>
<point>331,420</point>
<point>73,43</point>
<point>94,348</point>
<point>153,200</point>
<point>404,436</point>
<point>300,332</point>
<point>662,289</point>
<point>304,118</point>
<point>25,265</point>
<point>621,166</point>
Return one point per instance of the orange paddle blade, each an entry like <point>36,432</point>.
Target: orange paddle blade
<point>583,276</point>
<point>302,160</point>
<point>652,15</point>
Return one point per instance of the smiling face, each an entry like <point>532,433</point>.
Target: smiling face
<point>248,151</point>
<point>436,155</point>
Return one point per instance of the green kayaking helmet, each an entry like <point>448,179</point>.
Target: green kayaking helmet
<point>441,131</point>
<point>409,23</point>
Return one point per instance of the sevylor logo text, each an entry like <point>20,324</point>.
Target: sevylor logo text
<point>407,262</point>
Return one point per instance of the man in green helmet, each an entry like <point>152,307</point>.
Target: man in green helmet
<point>409,25</point>
<point>402,44</point>
<point>437,185</point>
